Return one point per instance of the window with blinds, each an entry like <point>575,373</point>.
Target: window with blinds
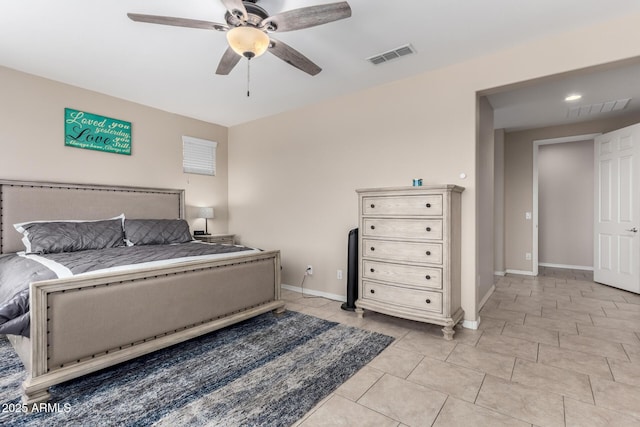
<point>198,156</point>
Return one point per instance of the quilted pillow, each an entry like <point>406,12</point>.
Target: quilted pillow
<point>156,231</point>
<point>71,236</point>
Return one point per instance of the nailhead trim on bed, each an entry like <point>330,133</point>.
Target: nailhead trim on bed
<point>49,369</point>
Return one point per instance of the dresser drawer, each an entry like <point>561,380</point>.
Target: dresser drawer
<point>222,239</point>
<point>403,228</point>
<point>404,274</point>
<point>402,251</point>
<point>414,298</point>
<point>430,204</point>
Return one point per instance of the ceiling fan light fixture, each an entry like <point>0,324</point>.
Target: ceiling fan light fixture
<point>247,25</point>
<point>248,41</point>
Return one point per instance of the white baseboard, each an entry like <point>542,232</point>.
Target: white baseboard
<point>486,297</point>
<point>520,272</point>
<point>571,267</point>
<point>499,273</point>
<point>471,324</point>
<point>315,293</point>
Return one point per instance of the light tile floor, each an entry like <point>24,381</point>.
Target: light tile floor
<point>554,350</point>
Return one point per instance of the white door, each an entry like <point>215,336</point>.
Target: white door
<point>617,209</point>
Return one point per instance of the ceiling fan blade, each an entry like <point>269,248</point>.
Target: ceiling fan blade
<point>228,61</point>
<point>236,8</point>
<point>177,22</point>
<point>293,57</point>
<point>306,17</point>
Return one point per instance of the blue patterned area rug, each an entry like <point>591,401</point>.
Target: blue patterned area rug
<point>266,371</point>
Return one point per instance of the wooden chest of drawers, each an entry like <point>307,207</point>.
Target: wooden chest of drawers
<point>409,254</point>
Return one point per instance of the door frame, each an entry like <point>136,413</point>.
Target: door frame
<point>534,214</point>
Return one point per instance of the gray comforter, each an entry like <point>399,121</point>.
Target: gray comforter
<point>15,275</point>
<point>17,272</point>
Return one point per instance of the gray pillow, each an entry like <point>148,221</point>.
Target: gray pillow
<point>156,231</point>
<point>71,236</point>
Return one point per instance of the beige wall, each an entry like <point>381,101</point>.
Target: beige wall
<point>485,198</point>
<point>293,176</point>
<point>32,143</point>
<point>565,204</point>
<point>498,195</point>
<point>519,182</point>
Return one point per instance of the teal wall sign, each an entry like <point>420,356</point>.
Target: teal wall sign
<point>86,130</point>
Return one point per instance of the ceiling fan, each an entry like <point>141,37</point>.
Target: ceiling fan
<point>247,27</point>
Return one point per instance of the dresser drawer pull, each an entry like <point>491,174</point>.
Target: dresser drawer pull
<point>373,270</point>
<point>428,301</point>
<point>427,277</point>
<point>373,227</point>
<point>372,248</point>
<point>372,206</point>
<point>428,253</point>
<point>428,228</point>
<point>428,205</point>
<point>373,291</point>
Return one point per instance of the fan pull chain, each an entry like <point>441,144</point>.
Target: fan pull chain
<point>248,75</point>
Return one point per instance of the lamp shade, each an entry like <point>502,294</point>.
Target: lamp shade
<point>248,41</point>
<point>206,213</point>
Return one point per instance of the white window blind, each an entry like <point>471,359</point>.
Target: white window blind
<point>198,156</point>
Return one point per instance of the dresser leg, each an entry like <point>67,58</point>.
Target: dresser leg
<point>360,312</point>
<point>448,332</point>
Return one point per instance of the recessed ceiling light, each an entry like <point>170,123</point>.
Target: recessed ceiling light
<point>573,97</point>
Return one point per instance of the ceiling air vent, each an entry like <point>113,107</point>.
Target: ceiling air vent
<point>391,54</point>
<point>597,108</point>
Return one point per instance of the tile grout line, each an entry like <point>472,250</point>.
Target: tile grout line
<point>480,388</point>
<point>440,410</point>
<point>357,402</point>
<point>593,394</point>
<point>513,368</point>
<point>609,364</point>
<point>450,353</point>
<point>496,410</point>
<point>416,367</point>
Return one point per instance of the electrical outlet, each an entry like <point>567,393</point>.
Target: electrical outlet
<point>309,270</point>
<point>527,256</point>
<point>339,275</point>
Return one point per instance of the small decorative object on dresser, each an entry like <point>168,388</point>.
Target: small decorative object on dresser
<point>409,253</point>
<point>228,239</point>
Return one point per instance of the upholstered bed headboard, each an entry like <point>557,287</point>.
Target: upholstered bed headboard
<point>22,201</point>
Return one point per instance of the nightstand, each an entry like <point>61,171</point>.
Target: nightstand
<point>228,239</point>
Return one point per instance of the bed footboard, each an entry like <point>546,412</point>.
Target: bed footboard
<point>83,324</point>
